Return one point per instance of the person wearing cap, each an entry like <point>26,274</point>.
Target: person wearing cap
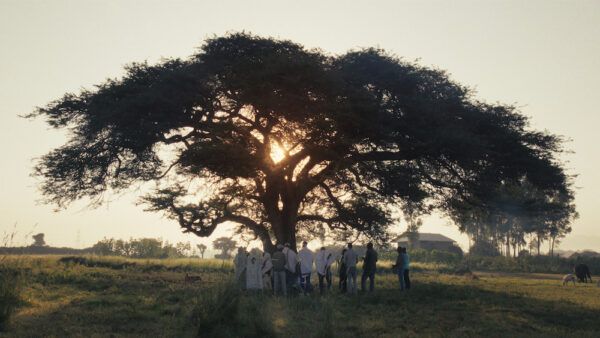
<point>279,271</point>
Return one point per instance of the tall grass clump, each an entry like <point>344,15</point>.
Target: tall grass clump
<point>10,293</point>
<point>226,312</point>
<point>10,284</point>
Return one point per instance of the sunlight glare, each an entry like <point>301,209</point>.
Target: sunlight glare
<point>277,153</point>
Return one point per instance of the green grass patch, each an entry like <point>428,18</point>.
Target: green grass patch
<point>102,300</point>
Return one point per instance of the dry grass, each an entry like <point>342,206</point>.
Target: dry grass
<point>79,300</point>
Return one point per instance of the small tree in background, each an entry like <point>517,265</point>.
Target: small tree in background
<point>183,249</point>
<point>202,248</point>
<point>38,240</point>
<point>226,245</point>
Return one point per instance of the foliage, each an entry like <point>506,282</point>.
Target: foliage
<point>427,256</point>
<point>141,248</point>
<point>226,245</point>
<point>511,213</point>
<point>201,248</point>
<point>532,263</point>
<point>38,240</point>
<point>11,283</point>
<point>484,248</point>
<point>101,301</point>
<point>224,313</point>
<point>279,139</point>
<point>451,262</point>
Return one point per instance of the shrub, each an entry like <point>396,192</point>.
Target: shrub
<point>484,248</point>
<point>10,293</point>
<point>226,313</point>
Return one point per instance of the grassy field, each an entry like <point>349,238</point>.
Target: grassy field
<point>131,298</point>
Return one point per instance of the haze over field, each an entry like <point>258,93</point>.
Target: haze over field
<point>543,56</point>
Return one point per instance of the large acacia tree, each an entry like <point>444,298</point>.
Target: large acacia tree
<point>279,139</point>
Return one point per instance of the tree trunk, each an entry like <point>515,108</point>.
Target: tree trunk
<point>284,229</point>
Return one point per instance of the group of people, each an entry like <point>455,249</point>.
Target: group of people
<point>286,270</point>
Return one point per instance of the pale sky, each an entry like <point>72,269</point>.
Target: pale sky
<point>542,55</point>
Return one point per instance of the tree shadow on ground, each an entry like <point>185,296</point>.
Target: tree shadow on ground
<point>461,310</point>
<point>429,309</point>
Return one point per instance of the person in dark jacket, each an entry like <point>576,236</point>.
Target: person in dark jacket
<point>279,276</point>
<point>343,273</point>
<point>405,268</point>
<point>399,268</point>
<point>369,268</point>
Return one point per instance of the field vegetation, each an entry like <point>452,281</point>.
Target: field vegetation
<point>103,296</point>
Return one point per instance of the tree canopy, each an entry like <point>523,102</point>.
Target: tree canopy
<point>38,240</point>
<point>279,139</point>
<point>224,244</point>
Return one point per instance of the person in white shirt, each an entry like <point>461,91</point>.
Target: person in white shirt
<point>323,261</point>
<point>254,271</point>
<point>350,259</point>
<point>291,259</point>
<point>306,258</point>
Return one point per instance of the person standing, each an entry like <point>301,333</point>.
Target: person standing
<point>267,267</point>
<point>369,268</point>
<point>253,270</point>
<point>405,268</point>
<point>239,266</point>
<point>291,261</point>
<point>323,262</point>
<point>343,273</point>
<point>306,258</point>
<point>279,271</point>
<point>350,259</point>
<point>399,268</point>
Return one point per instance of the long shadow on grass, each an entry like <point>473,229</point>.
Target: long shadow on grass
<point>460,310</point>
<point>429,309</point>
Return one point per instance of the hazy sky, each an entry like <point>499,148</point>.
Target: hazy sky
<point>542,55</point>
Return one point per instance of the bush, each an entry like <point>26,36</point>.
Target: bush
<point>10,293</point>
<point>226,313</point>
<point>483,248</point>
<point>527,263</point>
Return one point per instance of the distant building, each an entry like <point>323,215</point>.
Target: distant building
<point>427,241</point>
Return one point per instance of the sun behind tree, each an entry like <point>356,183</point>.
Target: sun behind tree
<point>278,139</point>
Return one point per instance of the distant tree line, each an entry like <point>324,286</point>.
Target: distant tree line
<point>515,219</point>
<point>142,248</point>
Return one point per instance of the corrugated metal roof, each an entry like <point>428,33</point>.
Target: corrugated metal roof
<point>425,237</point>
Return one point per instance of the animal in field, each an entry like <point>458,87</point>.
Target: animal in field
<point>191,279</point>
<point>568,278</point>
<point>582,272</point>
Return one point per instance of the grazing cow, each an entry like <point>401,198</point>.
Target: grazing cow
<point>582,272</point>
<point>568,278</point>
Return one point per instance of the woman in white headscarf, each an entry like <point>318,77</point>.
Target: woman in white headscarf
<point>254,271</point>
<point>267,267</point>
